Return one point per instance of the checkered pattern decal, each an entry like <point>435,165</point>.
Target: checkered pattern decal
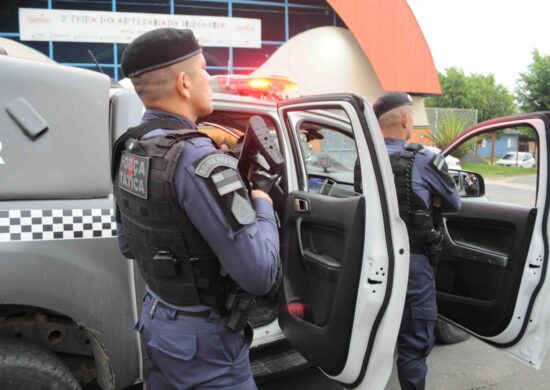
<point>32,225</point>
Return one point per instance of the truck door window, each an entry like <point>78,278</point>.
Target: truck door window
<point>328,151</point>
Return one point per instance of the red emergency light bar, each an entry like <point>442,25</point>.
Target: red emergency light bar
<point>270,88</point>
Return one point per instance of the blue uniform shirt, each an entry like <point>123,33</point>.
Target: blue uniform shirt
<point>426,182</point>
<point>249,256</point>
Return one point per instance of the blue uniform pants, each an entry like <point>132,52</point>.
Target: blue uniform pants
<point>193,353</point>
<point>417,332</point>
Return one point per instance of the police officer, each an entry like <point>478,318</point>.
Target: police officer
<point>204,245</point>
<point>424,188</point>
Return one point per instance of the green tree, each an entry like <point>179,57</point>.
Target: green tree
<point>534,85</point>
<point>474,91</point>
<point>448,128</point>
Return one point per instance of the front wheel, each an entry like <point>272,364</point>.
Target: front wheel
<point>30,367</point>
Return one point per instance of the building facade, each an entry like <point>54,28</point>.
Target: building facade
<point>281,20</point>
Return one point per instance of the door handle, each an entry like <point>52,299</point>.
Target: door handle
<point>302,205</point>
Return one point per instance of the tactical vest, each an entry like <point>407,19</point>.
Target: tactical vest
<point>175,260</point>
<point>412,209</point>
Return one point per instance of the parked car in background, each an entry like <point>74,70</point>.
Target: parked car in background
<point>517,159</point>
<point>452,162</point>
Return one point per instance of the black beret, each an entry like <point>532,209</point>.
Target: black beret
<point>389,101</point>
<point>157,49</point>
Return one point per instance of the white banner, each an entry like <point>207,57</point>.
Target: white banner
<point>122,27</point>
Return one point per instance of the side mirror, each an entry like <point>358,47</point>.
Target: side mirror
<point>469,184</point>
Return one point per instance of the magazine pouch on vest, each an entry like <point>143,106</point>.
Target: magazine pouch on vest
<point>424,238</point>
<point>174,259</point>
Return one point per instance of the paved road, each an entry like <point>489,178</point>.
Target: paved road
<point>470,365</point>
<point>516,189</point>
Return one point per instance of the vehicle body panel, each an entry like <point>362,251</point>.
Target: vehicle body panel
<point>85,279</point>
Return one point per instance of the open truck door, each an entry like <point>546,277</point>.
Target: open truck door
<point>492,280</point>
<point>345,254</point>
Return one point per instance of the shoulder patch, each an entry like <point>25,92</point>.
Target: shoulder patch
<point>133,174</point>
<point>242,210</point>
<point>227,181</point>
<point>206,165</point>
<point>438,162</point>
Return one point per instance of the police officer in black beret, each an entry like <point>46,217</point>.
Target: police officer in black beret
<point>424,188</point>
<point>204,245</point>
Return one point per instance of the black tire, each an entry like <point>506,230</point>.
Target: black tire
<point>447,333</point>
<point>30,367</point>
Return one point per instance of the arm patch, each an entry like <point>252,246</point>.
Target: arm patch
<point>440,167</point>
<point>219,173</point>
<point>205,166</point>
<point>438,162</point>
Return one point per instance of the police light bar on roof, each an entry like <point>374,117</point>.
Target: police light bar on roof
<point>269,88</point>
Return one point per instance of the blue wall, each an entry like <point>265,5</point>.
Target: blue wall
<point>501,146</point>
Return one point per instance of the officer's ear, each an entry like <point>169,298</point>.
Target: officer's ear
<point>406,120</point>
<point>182,85</point>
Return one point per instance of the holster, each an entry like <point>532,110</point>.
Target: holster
<point>434,245</point>
<point>239,305</point>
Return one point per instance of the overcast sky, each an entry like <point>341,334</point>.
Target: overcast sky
<point>485,36</point>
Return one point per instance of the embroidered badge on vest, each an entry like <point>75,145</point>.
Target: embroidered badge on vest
<point>133,175</point>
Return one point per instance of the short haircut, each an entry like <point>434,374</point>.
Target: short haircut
<point>392,119</point>
<point>160,84</point>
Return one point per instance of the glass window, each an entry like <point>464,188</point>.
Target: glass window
<point>142,2</point>
<point>78,52</point>
<point>224,136</point>
<point>328,151</point>
<point>506,160</point>
<point>102,5</point>
<point>108,70</point>
<point>273,19</point>
<point>151,7</point>
<point>319,3</point>
<point>227,128</point>
<point>9,13</point>
<point>214,72</point>
<point>202,8</point>
<point>216,56</point>
<point>252,58</point>
<point>242,71</point>
<point>303,19</point>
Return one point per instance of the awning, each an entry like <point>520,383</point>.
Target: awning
<point>393,42</point>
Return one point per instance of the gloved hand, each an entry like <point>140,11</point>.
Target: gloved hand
<point>262,180</point>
